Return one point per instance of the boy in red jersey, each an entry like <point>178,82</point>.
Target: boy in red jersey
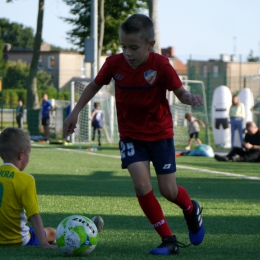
<point>142,78</point>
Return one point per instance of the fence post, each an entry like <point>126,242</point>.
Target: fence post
<point>2,103</point>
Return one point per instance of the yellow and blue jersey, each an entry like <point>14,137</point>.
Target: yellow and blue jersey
<point>18,201</point>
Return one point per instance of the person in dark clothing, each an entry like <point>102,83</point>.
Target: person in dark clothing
<point>250,151</point>
<point>19,114</point>
<point>97,121</point>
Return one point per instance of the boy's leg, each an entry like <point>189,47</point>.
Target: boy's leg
<point>50,234</point>
<point>99,136</point>
<point>93,133</point>
<point>135,157</point>
<point>189,144</point>
<point>140,173</point>
<point>191,209</point>
<point>164,155</point>
<point>198,141</point>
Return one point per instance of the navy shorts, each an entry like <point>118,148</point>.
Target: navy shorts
<point>33,240</point>
<point>45,121</point>
<point>195,134</point>
<point>160,153</point>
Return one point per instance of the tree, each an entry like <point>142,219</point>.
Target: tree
<point>115,12</point>
<point>152,4</point>
<point>2,63</point>
<point>32,97</point>
<point>17,73</point>
<point>251,57</point>
<point>16,34</point>
<point>33,105</point>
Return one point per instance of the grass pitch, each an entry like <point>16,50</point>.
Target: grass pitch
<point>74,181</point>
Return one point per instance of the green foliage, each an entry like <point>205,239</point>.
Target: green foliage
<point>17,73</point>
<point>51,91</point>
<point>64,95</point>
<point>19,36</point>
<point>12,96</point>
<point>44,80</point>
<point>115,12</point>
<point>251,57</point>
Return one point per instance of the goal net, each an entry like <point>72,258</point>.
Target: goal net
<point>83,132</point>
<point>110,129</point>
<point>179,110</point>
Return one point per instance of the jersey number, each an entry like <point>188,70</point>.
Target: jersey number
<point>127,149</point>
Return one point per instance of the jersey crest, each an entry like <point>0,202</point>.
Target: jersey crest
<point>119,76</point>
<point>150,76</point>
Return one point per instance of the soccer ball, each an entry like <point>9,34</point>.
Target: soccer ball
<point>76,235</point>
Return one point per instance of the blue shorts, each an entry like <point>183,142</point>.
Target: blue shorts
<point>160,153</point>
<point>33,240</point>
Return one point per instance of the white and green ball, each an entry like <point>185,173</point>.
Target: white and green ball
<point>76,235</point>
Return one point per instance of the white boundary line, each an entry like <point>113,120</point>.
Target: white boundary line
<point>178,166</point>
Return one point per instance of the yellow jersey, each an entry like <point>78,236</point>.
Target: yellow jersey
<point>17,196</point>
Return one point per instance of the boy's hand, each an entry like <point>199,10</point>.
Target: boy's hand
<point>187,98</point>
<point>195,100</point>
<point>70,125</point>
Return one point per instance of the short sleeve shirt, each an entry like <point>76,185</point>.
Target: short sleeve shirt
<point>46,108</point>
<point>18,201</point>
<point>143,110</point>
<point>253,139</point>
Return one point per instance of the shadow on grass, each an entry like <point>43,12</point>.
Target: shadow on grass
<point>104,183</point>
<point>130,237</point>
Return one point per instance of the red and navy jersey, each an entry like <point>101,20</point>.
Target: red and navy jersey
<point>143,110</point>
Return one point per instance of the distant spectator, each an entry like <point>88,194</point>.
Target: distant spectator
<point>250,152</point>
<point>45,113</point>
<point>19,114</point>
<point>237,115</point>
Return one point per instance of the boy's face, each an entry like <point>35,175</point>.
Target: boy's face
<point>45,97</point>
<point>24,158</point>
<point>135,49</point>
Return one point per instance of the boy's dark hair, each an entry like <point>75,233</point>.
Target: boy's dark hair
<point>249,124</point>
<point>139,23</point>
<point>187,115</point>
<point>12,141</point>
<point>96,104</point>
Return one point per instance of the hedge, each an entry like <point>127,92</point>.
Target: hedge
<point>12,96</point>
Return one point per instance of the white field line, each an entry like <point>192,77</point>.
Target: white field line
<point>178,166</point>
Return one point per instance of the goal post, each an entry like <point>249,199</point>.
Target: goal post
<point>110,133</point>
<point>179,110</point>
<point>83,131</point>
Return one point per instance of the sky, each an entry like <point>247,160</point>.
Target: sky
<point>201,29</point>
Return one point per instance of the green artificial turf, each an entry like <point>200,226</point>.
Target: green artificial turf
<point>71,180</point>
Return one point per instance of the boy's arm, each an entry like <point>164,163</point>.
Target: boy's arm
<point>37,225</point>
<point>71,121</point>
<point>187,98</point>
<point>200,122</point>
<point>92,115</point>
